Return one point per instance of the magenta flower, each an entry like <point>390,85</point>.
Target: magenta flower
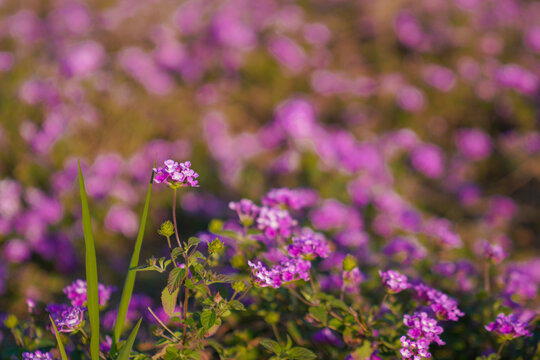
<point>474,144</point>
<point>308,245</point>
<point>423,331</point>
<point>394,281</point>
<point>493,252</point>
<point>176,174</point>
<point>246,210</point>
<point>76,292</point>
<point>508,327</point>
<point>275,222</point>
<point>294,199</point>
<point>351,280</point>
<point>37,355</point>
<point>286,271</point>
<point>67,318</point>
<point>443,305</point>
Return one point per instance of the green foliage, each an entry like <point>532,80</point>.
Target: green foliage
<point>176,278</point>
<point>349,263</point>
<point>125,351</point>
<point>166,229</point>
<point>91,272</point>
<point>168,300</point>
<point>63,355</point>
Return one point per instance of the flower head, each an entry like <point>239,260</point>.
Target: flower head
<point>423,331</point>
<point>294,199</point>
<point>308,245</point>
<point>287,270</point>
<point>176,174</point>
<point>508,327</point>
<point>351,280</point>
<point>394,281</point>
<point>246,210</point>
<point>493,252</point>
<point>37,355</point>
<point>275,222</point>
<point>76,292</point>
<point>443,305</point>
<point>67,318</point>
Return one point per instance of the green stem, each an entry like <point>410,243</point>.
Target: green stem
<point>162,324</point>
<point>500,349</point>
<point>276,333</point>
<point>174,219</point>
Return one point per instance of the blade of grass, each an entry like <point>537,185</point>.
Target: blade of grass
<point>126,349</point>
<point>63,355</point>
<point>91,272</point>
<point>130,278</point>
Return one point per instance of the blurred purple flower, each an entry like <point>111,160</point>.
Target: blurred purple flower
<point>428,159</point>
<point>474,144</point>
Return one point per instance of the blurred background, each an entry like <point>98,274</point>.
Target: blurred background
<point>423,110</point>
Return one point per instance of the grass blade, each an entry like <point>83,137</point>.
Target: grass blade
<point>126,349</point>
<point>63,355</point>
<point>130,278</point>
<point>91,272</point>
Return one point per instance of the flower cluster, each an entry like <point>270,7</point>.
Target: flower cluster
<point>508,327</point>
<point>394,281</point>
<point>176,174</point>
<point>67,318</point>
<point>275,222</point>
<point>493,252</point>
<point>37,355</point>
<point>287,270</point>
<point>443,305</point>
<point>423,331</point>
<point>246,210</point>
<point>76,292</point>
<point>308,245</point>
<point>294,199</point>
<point>351,279</point>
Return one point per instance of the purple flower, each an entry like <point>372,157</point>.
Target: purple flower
<point>441,230</point>
<point>515,77</point>
<point>428,159</point>
<point>37,355</point>
<point>275,222</point>
<point>246,210</point>
<point>308,245</point>
<point>121,219</point>
<point>444,306</point>
<point>327,336</point>
<point>294,199</point>
<point>288,53</point>
<point>493,252</point>
<point>410,99</point>
<point>440,77</point>
<point>474,144</point>
<point>405,249</point>
<point>76,292</point>
<point>394,281</point>
<point>83,59</point>
<point>286,271</point>
<point>508,327</point>
<point>351,280</point>
<point>67,318</point>
<point>333,214</point>
<point>176,174</point>
<point>423,331</point>
<point>296,117</point>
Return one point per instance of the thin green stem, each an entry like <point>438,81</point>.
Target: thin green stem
<point>174,220</point>
<point>276,333</point>
<point>184,316</point>
<point>162,324</point>
<point>500,349</point>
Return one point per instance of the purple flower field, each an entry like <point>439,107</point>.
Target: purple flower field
<point>269,179</point>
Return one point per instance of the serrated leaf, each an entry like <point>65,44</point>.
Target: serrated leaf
<point>221,278</point>
<point>176,276</point>
<point>168,301</point>
<point>271,345</point>
<point>176,252</point>
<point>237,305</point>
<point>208,319</point>
<point>128,345</point>
<point>319,313</point>
<point>91,271</point>
<point>300,353</point>
<point>193,241</point>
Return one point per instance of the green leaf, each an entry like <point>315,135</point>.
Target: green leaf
<point>63,355</point>
<point>193,241</point>
<point>168,301</point>
<point>11,321</point>
<point>215,246</point>
<point>271,345</point>
<point>237,305</point>
<point>91,272</point>
<point>176,276</point>
<point>300,353</point>
<point>128,345</point>
<point>208,319</point>
<point>319,313</point>
<point>130,277</point>
<point>364,351</point>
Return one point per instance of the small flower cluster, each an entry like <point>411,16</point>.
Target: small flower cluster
<point>288,270</point>
<point>443,305</point>
<point>176,174</point>
<point>351,279</point>
<point>308,245</point>
<point>394,281</point>
<point>423,331</point>
<point>37,355</point>
<point>508,327</point>
<point>76,292</point>
<point>494,253</point>
<point>246,209</point>
<point>294,199</point>
<point>275,222</point>
<point>67,318</point>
